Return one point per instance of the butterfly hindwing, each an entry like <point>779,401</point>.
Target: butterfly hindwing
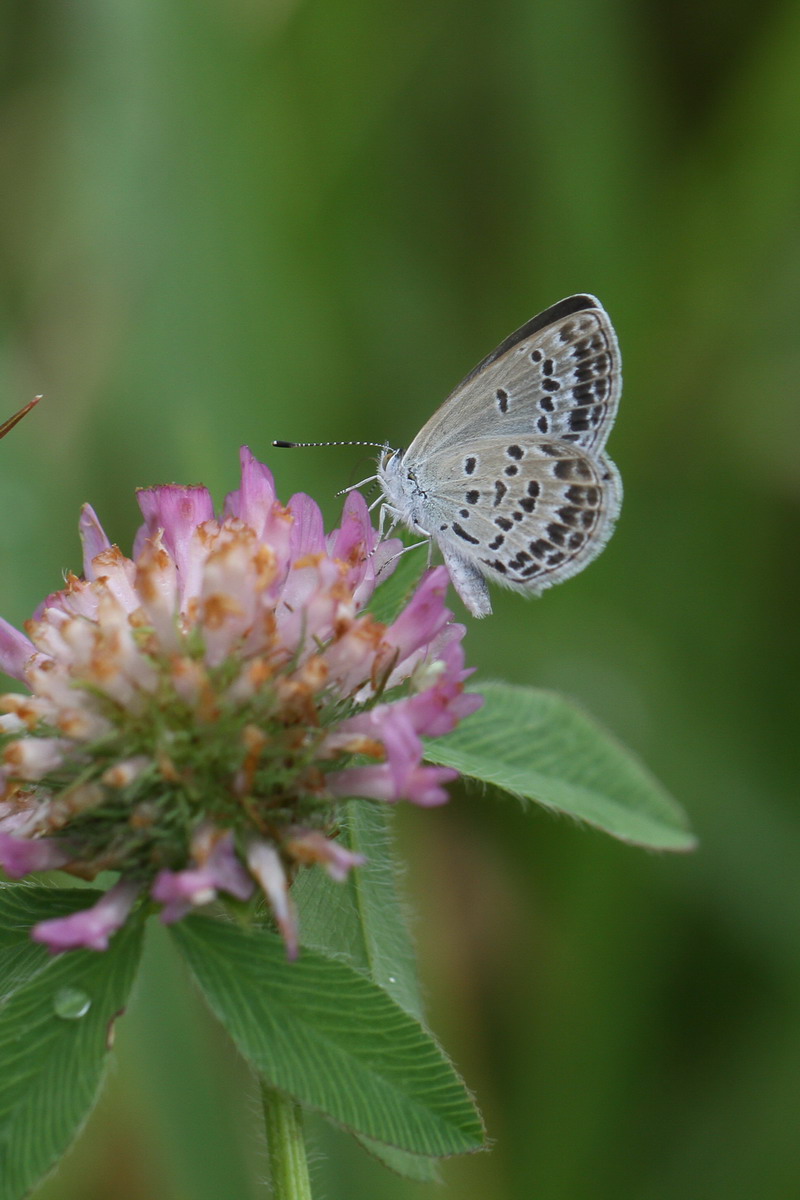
<point>532,513</point>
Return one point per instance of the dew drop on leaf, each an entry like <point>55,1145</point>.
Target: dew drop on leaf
<point>71,1003</point>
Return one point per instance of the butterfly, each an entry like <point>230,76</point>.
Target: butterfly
<point>509,477</point>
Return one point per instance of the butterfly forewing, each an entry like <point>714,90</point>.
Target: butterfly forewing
<point>559,376</point>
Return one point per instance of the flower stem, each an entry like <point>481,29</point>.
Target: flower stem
<point>283,1121</point>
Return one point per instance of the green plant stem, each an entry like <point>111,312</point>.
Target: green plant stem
<point>288,1166</point>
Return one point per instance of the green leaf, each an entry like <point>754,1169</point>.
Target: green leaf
<point>539,746</point>
<point>52,1065</point>
<point>325,1034</point>
<point>361,920</point>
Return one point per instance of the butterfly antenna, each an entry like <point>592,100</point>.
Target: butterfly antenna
<point>297,445</point>
<point>361,482</point>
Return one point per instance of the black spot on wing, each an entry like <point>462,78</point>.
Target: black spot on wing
<point>462,533</point>
<point>557,533</point>
<point>583,496</point>
<point>569,514</point>
<point>572,468</point>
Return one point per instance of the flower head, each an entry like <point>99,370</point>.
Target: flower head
<point>196,711</point>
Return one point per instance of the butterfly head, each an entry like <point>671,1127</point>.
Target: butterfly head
<point>391,472</point>
<point>389,458</point>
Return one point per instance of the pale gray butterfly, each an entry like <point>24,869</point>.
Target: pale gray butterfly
<point>509,476</point>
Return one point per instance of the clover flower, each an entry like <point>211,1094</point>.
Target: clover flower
<point>196,712</point>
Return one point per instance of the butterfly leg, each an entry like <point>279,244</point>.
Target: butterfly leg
<point>393,558</point>
<point>386,511</point>
<point>353,486</point>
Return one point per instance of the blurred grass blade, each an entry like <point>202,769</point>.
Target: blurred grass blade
<point>8,425</point>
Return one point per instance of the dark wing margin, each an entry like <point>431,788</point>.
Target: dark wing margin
<point>556,312</point>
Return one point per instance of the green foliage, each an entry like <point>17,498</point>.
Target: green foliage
<point>539,746</point>
<point>53,1048</point>
<point>361,921</point>
<point>325,1034</point>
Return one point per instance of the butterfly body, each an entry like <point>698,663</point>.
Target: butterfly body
<point>509,477</point>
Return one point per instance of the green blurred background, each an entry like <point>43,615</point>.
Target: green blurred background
<point>234,220</point>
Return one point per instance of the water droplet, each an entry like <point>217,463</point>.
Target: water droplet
<point>71,1003</point>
